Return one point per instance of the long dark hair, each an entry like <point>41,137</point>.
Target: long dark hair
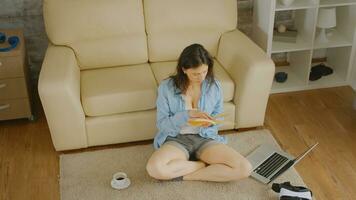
<point>192,56</point>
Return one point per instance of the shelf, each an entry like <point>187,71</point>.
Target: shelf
<point>298,4</point>
<point>304,23</point>
<point>293,81</point>
<point>331,80</point>
<point>332,3</point>
<point>297,72</point>
<point>335,40</point>
<point>278,47</point>
<point>338,59</point>
<point>302,16</point>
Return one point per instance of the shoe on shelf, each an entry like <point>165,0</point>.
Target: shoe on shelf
<point>318,71</point>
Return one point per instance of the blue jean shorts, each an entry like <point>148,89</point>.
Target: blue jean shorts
<point>191,144</point>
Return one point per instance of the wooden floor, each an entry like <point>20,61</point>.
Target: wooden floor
<point>29,166</point>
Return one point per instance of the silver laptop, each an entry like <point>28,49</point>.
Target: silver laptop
<point>268,162</point>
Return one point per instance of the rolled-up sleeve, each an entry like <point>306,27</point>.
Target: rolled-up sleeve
<point>218,109</point>
<point>166,121</point>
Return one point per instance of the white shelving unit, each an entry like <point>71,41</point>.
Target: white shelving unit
<point>339,50</point>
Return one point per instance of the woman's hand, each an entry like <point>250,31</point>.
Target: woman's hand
<point>196,114</point>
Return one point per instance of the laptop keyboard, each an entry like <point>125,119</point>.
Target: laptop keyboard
<point>270,165</point>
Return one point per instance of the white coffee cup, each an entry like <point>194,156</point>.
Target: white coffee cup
<point>286,2</point>
<point>120,181</point>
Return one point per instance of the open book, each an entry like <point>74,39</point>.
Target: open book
<point>201,121</point>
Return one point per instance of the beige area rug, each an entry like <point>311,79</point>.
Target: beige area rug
<point>87,175</point>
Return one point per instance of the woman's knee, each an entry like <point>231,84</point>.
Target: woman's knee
<point>242,170</point>
<point>246,168</point>
<point>157,170</point>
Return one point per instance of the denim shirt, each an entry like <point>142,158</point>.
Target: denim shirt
<point>172,115</point>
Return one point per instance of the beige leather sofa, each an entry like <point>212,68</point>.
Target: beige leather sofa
<point>98,82</point>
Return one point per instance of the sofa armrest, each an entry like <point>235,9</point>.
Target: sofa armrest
<point>252,72</point>
<point>59,91</point>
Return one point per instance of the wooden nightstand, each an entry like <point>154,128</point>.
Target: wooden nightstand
<point>14,88</point>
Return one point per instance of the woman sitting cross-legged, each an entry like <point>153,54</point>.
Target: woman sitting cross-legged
<point>184,150</point>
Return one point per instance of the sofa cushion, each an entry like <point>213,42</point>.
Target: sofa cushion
<point>163,70</point>
<point>172,25</point>
<point>102,33</point>
<point>118,90</point>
